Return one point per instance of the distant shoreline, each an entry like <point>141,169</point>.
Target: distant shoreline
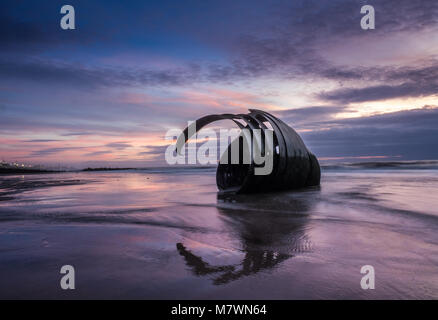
<point>30,171</point>
<point>21,171</point>
<point>413,164</point>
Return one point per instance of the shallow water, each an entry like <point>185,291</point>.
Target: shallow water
<point>167,234</point>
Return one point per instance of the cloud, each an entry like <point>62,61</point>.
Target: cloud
<point>48,71</point>
<point>41,140</point>
<point>154,151</point>
<point>118,145</point>
<point>410,134</point>
<point>310,114</point>
<point>296,37</point>
<point>97,153</point>
<point>70,83</point>
<point>290,42</point>
<point>380,92</point>
<point>68,134</point>
<point>51,151</point>
<point>399,82</point>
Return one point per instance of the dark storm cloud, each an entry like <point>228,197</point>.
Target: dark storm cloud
<point>411,134</point>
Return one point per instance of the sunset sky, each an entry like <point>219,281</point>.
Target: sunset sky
<point>107,92</point>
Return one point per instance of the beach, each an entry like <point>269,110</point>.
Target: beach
<point>167,234</point>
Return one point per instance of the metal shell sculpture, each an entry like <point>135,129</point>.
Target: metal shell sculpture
<point>294,166</point>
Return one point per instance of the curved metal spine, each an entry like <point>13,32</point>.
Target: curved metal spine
<point>294,165</point>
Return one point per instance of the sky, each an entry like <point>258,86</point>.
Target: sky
<point>107,92</point>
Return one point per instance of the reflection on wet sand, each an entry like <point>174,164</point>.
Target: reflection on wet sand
<point>123,227</point>
<point>269,234</point>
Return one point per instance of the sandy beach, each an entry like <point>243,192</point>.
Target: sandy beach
<point>167,234</point>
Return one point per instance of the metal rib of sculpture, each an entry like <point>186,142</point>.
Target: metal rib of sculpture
<point>294,166</point>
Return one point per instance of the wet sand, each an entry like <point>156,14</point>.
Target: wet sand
<point>166,234</point>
